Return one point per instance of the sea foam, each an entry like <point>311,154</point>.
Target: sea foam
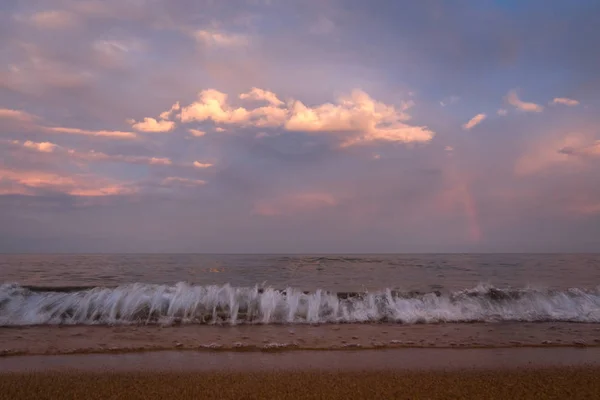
<point>184,303</point>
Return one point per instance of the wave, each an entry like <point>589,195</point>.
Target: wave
<point>183,303</point>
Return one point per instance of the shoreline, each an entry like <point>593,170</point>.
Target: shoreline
<point>408,359</point>
<point>90,339</point>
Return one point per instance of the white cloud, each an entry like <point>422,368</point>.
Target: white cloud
<point>449,100</point>
<point>152,125</point>
<point>174,180</point>
<point>502,112</point>
<point>355,119</point>
<point>476,120</point>
<point>196,132</point>
<point>512,98</point>
<point>44,147</point>
<point>198,164</point>
<point>87,132</point>
<point>220,39</point>
<point>167,114</point>
<point>264,95</point>
<point>565,101</point>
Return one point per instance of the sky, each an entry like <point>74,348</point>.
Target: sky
<point>284,126</point>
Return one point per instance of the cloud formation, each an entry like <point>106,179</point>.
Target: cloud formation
<point>28,182</point>
<point>31,122</point>
<point>152,125</point>
<point>565,101</point>
<point>52,20</point>
<point>512,98</point>
<point>356,118</point>
<point>476,120</point>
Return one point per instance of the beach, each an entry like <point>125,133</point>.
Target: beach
<point>403,374</point>
<point>95,327</point>
<point>81,339</point>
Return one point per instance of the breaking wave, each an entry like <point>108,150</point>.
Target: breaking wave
<point>183,303</point>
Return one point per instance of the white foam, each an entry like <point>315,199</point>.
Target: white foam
<point>183,303</point>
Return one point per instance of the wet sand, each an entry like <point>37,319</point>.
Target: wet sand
<point>98,339</point>
<point>563,383</point>
<point>524,373</point>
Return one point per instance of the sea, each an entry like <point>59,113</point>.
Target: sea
<point>144,301</point>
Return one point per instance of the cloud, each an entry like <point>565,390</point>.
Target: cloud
<point>586,150</point>
<point>28,121</point>
<point>16,115</point>
<point>196,132</point>
<point>565,101</point>
<point>264,95</point>
<point>89,156</point>
<point>294,204</point>
<point>167,114</point>
<point>44,147</point>
<point>476,120</point>
<point>356,118</point>
<point>449,100</point>
<point>177,181</point>
<point>30,182</point>
<point>198,164</point>
<point>554,151</point>
<point>512,98</point>
<point>53,20</point>
<point>220,39</point>
<point>87,132</point>
<point>502,112</point>
<point>152,125</point>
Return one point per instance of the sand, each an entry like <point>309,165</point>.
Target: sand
<point>88,339</point>
<point>561,383</point>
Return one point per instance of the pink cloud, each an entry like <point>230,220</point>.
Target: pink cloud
<point>196,132</point>
<point>167,114</point>
<point>178,181</point>
<point>476,120</point>
<point>220,39</point>
<point>565,101</point>
<point>198,164</point>
<point>88,132</point>
<point>357,118</point>
<point>553,151</point>
<point>44,147</point>
<point>152,125</point>
<point>512,98</point>
<point>262,95</point>
<point>53,20</point>
<point>16,115</point>
<point>90,156</point>
<point>29,122</point>
<point>26,182</point>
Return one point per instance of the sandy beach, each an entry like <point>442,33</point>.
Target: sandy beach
<point>562,383</point>
<point>528,373</point>
<point>136,338</point>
